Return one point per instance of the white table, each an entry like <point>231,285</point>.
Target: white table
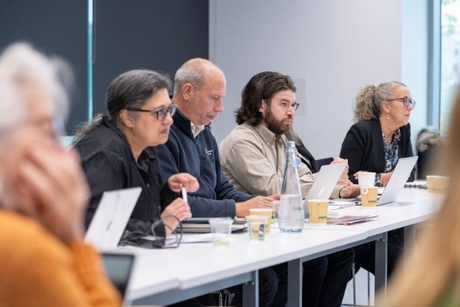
<point>413,206</point>
<point>171,275</point>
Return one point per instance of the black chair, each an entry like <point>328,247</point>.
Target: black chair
<point>325,161</point>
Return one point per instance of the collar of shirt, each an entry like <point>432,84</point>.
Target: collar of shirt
<point>196,129</point>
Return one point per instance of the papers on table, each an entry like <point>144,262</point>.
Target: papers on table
<point>347,215</point>
<point>350,219</point>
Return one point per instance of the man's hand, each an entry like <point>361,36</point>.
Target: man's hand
<point>350,191</point>
<point>242,209</point>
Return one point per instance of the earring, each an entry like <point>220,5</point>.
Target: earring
<point>388,115</point>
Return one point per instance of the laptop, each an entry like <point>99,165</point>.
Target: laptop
<point>324,184</point>
<point>397,180</point>
<point>111,218</point>
<point>393,188</point>
<point>118,268</point>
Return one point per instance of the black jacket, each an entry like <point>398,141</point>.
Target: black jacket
<point>363,147</point>
<point>109,165</point>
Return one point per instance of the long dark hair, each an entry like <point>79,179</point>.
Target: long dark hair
<point>261,87</point>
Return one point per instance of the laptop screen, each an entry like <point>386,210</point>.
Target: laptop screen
<point>112,215</point>
<point>118,268</point>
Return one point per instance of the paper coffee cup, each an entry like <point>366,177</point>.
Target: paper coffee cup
<point>318,210</point>
<point>437,184</point>
<point>366,179</point>
<point>369,196</point>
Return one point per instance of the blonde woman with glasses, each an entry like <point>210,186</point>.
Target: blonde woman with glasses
<point>380,136</point>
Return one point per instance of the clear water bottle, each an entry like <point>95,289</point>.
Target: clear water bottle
<point>291,213</point>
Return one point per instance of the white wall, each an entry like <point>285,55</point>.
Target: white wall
<point>329,47</point>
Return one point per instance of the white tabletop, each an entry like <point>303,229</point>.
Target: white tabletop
<point>193,265</point>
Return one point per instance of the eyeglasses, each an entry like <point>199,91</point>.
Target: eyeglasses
<point>160,113</point>
<point>406,101</point>
<point>286,105</point>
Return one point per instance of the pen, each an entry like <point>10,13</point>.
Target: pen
<point>184,195</point>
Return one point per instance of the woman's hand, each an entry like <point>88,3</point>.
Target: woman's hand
<point>178,208</point>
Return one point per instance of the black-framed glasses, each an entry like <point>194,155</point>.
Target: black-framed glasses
<point>406,101</point>
<point>159,113</point>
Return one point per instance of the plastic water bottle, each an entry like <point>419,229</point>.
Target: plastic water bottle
<point>291,213</point>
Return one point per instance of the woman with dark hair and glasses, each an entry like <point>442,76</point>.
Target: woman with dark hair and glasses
<point>117,151</point>
<point>380,136</point>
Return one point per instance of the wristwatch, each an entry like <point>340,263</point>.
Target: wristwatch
<point>378,180</point>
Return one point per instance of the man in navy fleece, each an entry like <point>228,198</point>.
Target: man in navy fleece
<point>199,89</point>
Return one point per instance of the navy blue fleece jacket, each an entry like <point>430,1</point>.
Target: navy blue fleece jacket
<point>199,157</point>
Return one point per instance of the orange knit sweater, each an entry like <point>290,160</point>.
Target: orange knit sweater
<point>36,269</point>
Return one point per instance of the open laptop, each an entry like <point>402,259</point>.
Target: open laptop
<point>111,218</point>
<point>324,183</point>
<point>393,188</point>
<point>118,268</point>
<point>397,180</point>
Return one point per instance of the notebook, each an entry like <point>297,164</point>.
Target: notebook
<point>111,218</point>
<point>201,225</point>
<point>118,268</point>
<point>324,183</point>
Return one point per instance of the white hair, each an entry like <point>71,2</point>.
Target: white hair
<point>19,64</point>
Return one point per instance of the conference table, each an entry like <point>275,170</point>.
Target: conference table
<point>169,275</point>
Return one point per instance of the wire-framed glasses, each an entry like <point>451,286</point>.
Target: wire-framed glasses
<point>406,101</point>
<point>159,113</point>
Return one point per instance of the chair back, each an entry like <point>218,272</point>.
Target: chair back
<point>324,161</point>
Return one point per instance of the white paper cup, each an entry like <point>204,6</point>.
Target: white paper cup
<point>366,179</point>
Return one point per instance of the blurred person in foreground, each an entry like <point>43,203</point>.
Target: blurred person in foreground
<point>430,276</point>
<point>43,194</point>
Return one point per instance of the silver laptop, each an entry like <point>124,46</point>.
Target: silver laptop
<point>397,180</point>
<point>324,183</point>
<point>111,218</point>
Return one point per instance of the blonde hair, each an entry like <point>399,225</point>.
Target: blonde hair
<point>433,268</point>
<point>370,97</point>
